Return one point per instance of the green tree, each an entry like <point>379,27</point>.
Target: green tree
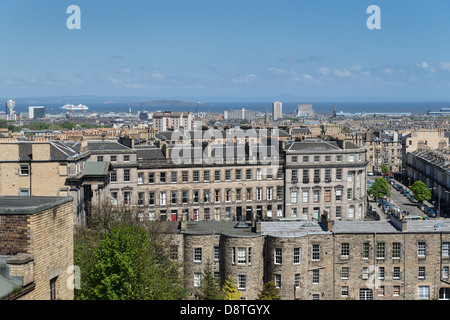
<point>380,188</point>
<point>230,291</point>
<point>122,259</point>
<point>269,292</point>
<point>384,169</point>
<point>421,191</point>
<point>210,289</point>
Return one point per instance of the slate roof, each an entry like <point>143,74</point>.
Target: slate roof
<point>107,146</point>
<point>29,205</point>
<point>59,150</point>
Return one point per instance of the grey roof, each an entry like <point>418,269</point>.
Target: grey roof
<point>230,228</point>
<point>313,145</point>
<point>59,150</point>
<point>29,205</point>
<point>106,146</point>
<point>150,154</point>
<point>363,227</point>
<point>291,228</point>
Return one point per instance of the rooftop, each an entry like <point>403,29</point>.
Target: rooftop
<point>15,205</point>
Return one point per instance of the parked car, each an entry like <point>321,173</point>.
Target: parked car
<point>369,173</point>
<point>405,212</point>
<point>406,193</point>
<point>431,212</point>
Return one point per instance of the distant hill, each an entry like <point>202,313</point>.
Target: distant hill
<point>166,103</point>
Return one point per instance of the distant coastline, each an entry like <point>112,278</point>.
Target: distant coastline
<point>53,106</point>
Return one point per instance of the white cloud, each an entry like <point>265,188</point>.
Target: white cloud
<point>444,66</point>
<point>158,76</point>
<point>125,71</point>
<point>246,79</point>
<point>387,70</point>
<point>342,74</point>
<point>425,66</point>
<point>323,71</point>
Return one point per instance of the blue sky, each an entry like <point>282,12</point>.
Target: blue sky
<point>264,49</point>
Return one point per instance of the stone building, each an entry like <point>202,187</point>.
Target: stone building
<point>325,177</point>
<point>36,248</point>
<point>433,168</point>
<point>42,167</point>
<point>329,260</point>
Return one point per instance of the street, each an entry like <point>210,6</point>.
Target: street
<point>399,200</point>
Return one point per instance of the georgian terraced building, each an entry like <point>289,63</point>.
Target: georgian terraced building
<point>325,177</point>
<point>326,260</point>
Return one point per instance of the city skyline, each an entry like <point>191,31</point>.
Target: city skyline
<point>228,49</point>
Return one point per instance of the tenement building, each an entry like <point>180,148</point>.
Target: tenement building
<point>36,248</point>
<point>325,177</point>
<point>331,260</point>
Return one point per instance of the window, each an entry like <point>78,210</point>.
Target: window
<point>316,175</point>
<point>294,159</point>
<point>162,177</point>
<point>197,279</point>
<point>316,195</point>
<point>113,176</point>
<point>380,273</point>
<point>294,176</point>
<point>338,158</point>
<point>297,253</point>
<point>351,157</point>
<point>297,280</point>
<point>126,175</point>
<point>445,249</point>
<point>126,197</point>
<point>421,249</point>
<point>53,288</point>
<point>173,253</point>
<point>396,291</point>
<point>349,194</point>
<point>365,294</point>
<point>228,175</point>
<point>424,292</point>
<point>344,291</point>
<point>162,198</point>
<point>184,196</point>
<point>259,174</point>
<point>206,176</point>
<point>269,193</point>
<point>338,174</point>
<point>345,272</point>
<point>293,196</point>
<point>184,176</point>
<point>242,282</point>
<point>305,158</point>
<point>396,249</point>
<point>197,254</point>
<point>242,255</point>
<point>315,276</point>
<point>151,177</point>
<point>345,250</point>
<point>316,158</point>
<point>278,255</point>
<point>396,273</point>
<point>217,175</point>
<point>24,170</point>
<point>113,158</point>
<point>259,194</point>
<point>280,193</point>
<point>350,176</point>
<point>126,158</point>
<point>365,273</point>
<point>315,252</point>
<point>381,250</point>
<point>140,177</point>
<point>327,175</point>
<point>351,211</point>
<point>305,194</point>
<point>174,197</point>
<point>248,174</point>
<point>338,212</point>
<point>278,281</point>
<point>206,196</point>
<point>99,158</point>
<point>173,177</point>
<point>381,290</point>
<point>328,195</point>
<point>249,194</point>
<point>339,194</point>
<point>238,174</point>
<point>421,274</point>
<point>445,272</point>
<point>140,199</point>
<point>216,253</point>
<point>238,195</point>
<point>365,250</point>
<point>195,196</point>
<point>217,195</point>
<point>269,173</point>
<point>228,195</point>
